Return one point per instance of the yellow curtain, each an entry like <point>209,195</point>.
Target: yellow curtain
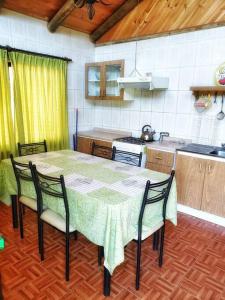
<point>7,139</point>
<point>40,96</point>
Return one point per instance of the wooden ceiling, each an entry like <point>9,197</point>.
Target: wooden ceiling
<point>78,20</point>
<point>157,17</point>
<point>148,18</point>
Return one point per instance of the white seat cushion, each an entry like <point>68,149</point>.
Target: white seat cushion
<point>147,231</point>
<point>55,220</point>
<point>30,202</point>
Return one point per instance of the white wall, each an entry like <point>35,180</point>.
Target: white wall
<point>187,59</point>
<point>27,33</point>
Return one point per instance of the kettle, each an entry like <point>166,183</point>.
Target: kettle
<point>147,133</point>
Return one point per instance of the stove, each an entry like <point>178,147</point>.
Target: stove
<point>131,144</point>
<point>131,140</point>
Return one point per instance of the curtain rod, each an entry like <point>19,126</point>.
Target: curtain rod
<point>10,49</point>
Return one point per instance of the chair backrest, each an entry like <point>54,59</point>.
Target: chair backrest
<point>52,186</point>
<point>155,192</point>
<point>101,151</point>
<point>22,172</point>
<point>32,148</point>
<point>129,158</point>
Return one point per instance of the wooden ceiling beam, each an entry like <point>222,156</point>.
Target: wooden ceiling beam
<point>2,3</point>
<point>121,12</point>
<point>61,15</point>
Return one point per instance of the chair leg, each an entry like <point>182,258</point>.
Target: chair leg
<point>138,266</point>
<point>39,239</point>
<point>67,256</point>
<point>157,239</point>
<point>161,246</point>
<point>153,241</point>
<point>24,210</point>
<point>100,255</point>
<point>41,242</point>
<point>21,219</point>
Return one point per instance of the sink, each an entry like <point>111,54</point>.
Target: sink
<point>220,153</point>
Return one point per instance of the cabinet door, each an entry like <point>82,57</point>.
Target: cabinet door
<point>159,168</point>
<point>84,145</point>
<point>94,81</point>
<point>213,199</point>
<point>105,154</point>
<point>112,71</point>
<point>190,173</point>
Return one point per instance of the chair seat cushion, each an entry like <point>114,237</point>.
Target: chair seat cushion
<point>148,231</point>
<point>29,202</point>
<point>55,220</point>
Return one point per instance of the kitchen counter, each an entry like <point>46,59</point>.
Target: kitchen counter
<point>203,149</point>
<point>169,144</point>
<point>103,134</point>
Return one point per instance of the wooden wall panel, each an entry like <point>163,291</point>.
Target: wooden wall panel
<point>158,17</point>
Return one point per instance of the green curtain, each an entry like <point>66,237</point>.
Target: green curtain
<point>7,138</point>
<point>40,96</point>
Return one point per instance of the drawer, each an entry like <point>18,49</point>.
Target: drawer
<point>102,152</point>
<point>160,157</point>
<point>159,168</point>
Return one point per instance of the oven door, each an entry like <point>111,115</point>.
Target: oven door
<point>134,148</point>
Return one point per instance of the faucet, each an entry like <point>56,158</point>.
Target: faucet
<point>162,134</point>
<point>223,145</point>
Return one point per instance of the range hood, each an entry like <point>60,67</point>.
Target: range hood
<point>147,82</point>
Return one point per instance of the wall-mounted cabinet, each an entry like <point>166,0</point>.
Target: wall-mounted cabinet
<point>101,80</point>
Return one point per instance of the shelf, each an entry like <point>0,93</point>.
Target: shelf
<point>93,80</point>
<point>212,90</point>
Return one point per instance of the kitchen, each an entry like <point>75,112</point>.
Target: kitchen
<point>190,61</point>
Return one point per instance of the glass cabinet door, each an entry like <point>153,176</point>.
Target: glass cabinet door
<point>112,72</point>
<point>93,81</point>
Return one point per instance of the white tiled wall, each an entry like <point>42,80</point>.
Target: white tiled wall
<point>27,33</point>
<point>187,59</point>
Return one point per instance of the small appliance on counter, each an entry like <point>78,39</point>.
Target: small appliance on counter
<point>147,133</point>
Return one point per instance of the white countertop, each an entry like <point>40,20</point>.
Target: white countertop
<point>169,144</point>
<point>104,134</point>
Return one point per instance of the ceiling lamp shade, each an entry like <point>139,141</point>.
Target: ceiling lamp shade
<point>90,6</point>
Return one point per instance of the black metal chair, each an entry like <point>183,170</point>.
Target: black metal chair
<point>23,173</point>
<point>154,192</point>
<point>32,148</point>
<point>54,187</point>
<point>127,157</point>
<point>101,151</point>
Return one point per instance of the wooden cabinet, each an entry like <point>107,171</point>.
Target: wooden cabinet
<point>213,198</point>
<point>160,161</point>
<point>101,80</point>
<point>85,145</point>
<point>201,183</point>
<point>190,173</point>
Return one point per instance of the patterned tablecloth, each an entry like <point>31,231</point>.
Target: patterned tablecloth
<point>104,197</point>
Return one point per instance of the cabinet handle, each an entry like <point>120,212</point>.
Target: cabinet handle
<point>158,157</point>
<point>209,168</point>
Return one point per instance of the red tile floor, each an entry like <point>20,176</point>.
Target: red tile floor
<point>194,265</point>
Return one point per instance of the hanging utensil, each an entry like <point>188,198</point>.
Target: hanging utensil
<point>215,99</point>
<point>221,115</point>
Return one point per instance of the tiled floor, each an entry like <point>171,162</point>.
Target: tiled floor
<point>194,266</point>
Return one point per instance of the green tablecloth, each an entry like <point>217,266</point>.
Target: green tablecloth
<point>104,197</point>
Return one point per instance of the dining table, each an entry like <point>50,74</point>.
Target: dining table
<point>104,199</point>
